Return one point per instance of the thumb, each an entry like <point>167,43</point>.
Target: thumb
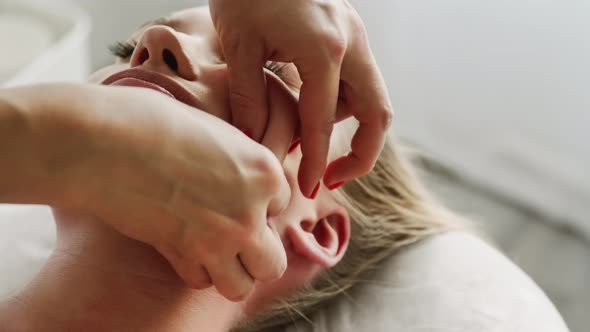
<point>247,89</point>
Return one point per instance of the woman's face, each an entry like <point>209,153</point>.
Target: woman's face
<point>184,47</point>
<point>181,56</point>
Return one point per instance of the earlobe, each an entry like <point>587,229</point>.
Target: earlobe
<point>324,241</point>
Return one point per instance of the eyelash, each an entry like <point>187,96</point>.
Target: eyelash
<point>276,68</point>
<point>124,49</point>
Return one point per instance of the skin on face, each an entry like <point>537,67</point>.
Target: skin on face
<point>190,35</point>
<point>314,232</point>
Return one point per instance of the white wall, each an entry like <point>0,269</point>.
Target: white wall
<point>496,89</point>
<point>115,20</point>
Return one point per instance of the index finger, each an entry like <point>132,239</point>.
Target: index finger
<point>317,109</point>
<point>368,101</point>
<point>282,118</point>
<point>247,91</point>
<point>263,255</point>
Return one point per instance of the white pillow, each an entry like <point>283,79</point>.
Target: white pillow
<point>452,282</point>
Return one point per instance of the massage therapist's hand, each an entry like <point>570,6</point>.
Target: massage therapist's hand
<point>327,42</point>
<point>161,172</point>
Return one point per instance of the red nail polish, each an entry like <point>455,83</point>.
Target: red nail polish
<point>294,145</point>
<point>314,193</point>
<point>336,185</point>
<point>247,132</point>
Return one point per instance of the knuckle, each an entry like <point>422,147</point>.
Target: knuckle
<point>329,7</point>
<point>336,45</point>
<point>270,171</point>
<point>332,10</point>
<point>385,116</point>
<point>356,23</point>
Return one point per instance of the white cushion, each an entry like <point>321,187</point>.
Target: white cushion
<point>450,282</point>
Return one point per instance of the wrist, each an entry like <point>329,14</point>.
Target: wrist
<point>35,166</point>
<point>19,167</point>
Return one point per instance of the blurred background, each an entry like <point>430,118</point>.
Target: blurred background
<point>495,95</point>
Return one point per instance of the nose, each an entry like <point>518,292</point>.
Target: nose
<point>163,49</point>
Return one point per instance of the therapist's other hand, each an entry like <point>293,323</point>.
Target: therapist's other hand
<point>182,180</point>
<point>327,42</point>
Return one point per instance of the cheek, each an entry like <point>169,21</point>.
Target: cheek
<point>212,89</point>
<point>101,74</point>
<point>291,167</point>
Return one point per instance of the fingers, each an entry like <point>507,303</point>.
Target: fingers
<point>366,98</point>
<point>230,278</point>
<point>317,107</point>
<point>265,258</point>
<point>247,92</point>
<point>258,246</point>
<point>283,118</point>
<point>281,193</point>
<point>366,145</point>
<point>192,273</point>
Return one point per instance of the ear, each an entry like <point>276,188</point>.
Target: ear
<point>324,241</point>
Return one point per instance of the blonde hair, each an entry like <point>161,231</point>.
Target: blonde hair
<point>388,210</point>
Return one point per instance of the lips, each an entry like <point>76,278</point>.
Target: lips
<point>136,77</point>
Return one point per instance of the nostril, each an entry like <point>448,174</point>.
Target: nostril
<point>144,55</point>
<point>170,59</point>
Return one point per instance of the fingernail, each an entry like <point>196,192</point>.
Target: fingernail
<point>314,193</point>
<point>294,145</point>
<point>336,185</point>
<point>247,132</point>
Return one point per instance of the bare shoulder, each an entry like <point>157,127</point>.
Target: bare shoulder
<point>447,282</point>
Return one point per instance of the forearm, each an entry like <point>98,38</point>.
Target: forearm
<point>32,164</point>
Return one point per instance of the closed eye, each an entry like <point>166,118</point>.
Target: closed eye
<point>276,67</point>
<point>123,49</point>
<point>287,72</point>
